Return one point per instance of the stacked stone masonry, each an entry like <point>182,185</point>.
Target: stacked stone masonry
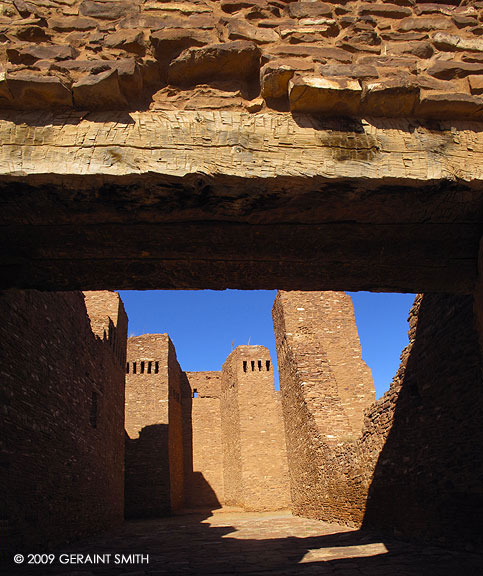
<point>202,439</point>
<point>317,381</point>
<point>415,469</point>
<point>394,58</point>
<point>62,425</point>
<point>203,450</point>
<point>254,448</point>
<point>154,451</point>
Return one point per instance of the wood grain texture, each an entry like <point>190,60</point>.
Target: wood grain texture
<point>236,143</point>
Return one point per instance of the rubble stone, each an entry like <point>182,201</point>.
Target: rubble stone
<point>99,92</point>
<point>239,59</point>
<point>337,96</point>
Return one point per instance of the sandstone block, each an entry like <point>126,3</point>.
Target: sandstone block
<point>475,58</point>
<point>24,8</point>
<point>130,79</point>
<point>359,71</point>
<point>325,28</point>
<point>86,66</point>
<point>450,42</point>
<point>274,79</point>
<point>419,49</point>
<point>168,44</point>
<point>241,30</point>
<point>34,8</point>
<point>108,10</point>
<point>392,98</point>
<point>231,6</point>
<point>182,7</point>
<point>443,8</point>
<point>5,95</point>
<point>476,84</point>
<point>129,40</point>
<point>32,91</point>
<point>463,21</point>
<point>32,33</point>
<point>447,70</point>
<point>99,92</point>
<point>404,36</point>
<point>70,23</point>
<point>29,53</point>
<point>384,10</point>
<point>318,54</point>
<point>437,105</point>
<point>309,9</point>
<point>423,23</point>
<point>232,60</point>
<point>335,97</point>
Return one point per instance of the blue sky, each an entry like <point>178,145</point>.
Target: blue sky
<point>205,325</point>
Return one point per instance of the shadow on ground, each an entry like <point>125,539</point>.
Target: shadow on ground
<point>256,544</point>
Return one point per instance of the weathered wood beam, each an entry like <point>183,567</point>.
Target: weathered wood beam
<point>228,199</point>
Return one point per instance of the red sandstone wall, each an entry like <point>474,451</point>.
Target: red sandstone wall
<point>154,448</point>
<point>259,480</point>
<point>62,444</point>
<point>317,382</point>
<point>202,435</point>
<point>428,429</point>
<point>230,436</point>
<point>387,58</point>
<point>175,431</point>
<point>415,470</point>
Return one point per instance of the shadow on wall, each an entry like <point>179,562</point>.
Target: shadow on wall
<point>427,480</point>
<point>197,490</point>
<point>147,476</point>
<point>147,484</point>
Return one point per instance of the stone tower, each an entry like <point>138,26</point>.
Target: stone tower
<point>254,451</point>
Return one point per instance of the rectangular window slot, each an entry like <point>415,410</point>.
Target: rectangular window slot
<point>268,365</point>
<point>253,365</point>
<point>142,367</point>
<point>244,365</point>
<point>259,365</point>
<point>134,367</point>
<point>149,367</point>
<point>156,368</point>
<point>195,393</point>
<point>93,414</point>
<point>127,368</point>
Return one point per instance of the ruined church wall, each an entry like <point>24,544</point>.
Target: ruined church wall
<point>414,470</point>
<point>320,434</point>
<point>175,431</point>
<point>427,431</point>
<point>62,429</point>
<point>231,436</point>
<point>154,446</point>
<point>258,446</point>
<point>202,437</point>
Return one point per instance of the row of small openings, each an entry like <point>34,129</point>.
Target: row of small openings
<point>260,363</point>
<point>144,367</point>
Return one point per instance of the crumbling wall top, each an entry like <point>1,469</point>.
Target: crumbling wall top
<point>340,57</point>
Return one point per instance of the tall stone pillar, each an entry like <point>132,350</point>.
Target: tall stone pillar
<point>255,462</point>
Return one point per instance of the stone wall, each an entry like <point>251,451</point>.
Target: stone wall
<point>317,382</point>
<point>202,437</point>
<point>154,451</point>
<point>255,461</point>
<point>62,444</point>
<point>415,469</point>
<point>423,440</point>
<point>338,58</point>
